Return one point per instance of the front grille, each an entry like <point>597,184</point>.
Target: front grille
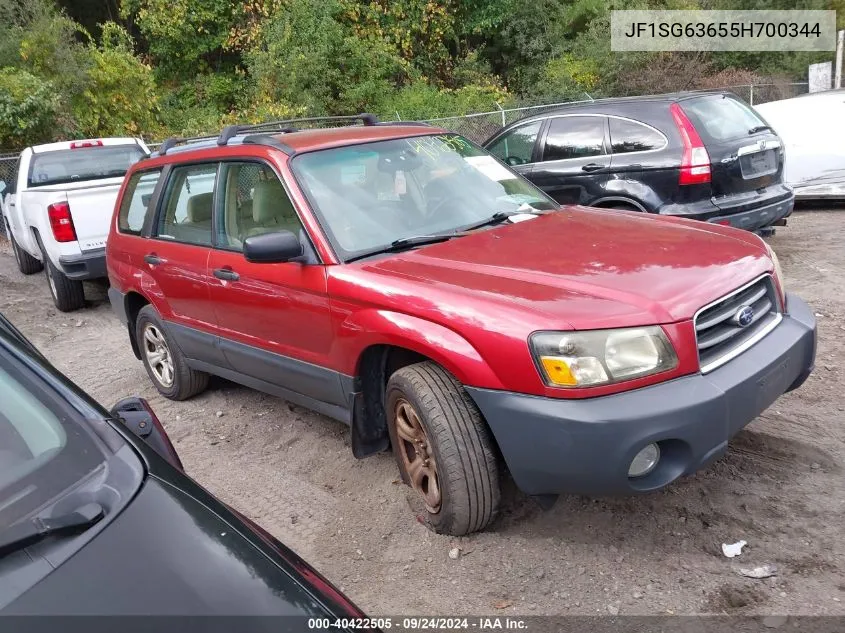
<point>719,333</point>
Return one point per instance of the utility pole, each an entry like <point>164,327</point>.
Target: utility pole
<point>840,45</point>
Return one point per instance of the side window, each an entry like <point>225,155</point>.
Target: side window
<point>574,137</point>
<point>516,147</point>
<point>188,204</point>
<point>630,136</point>
<point>136,202</point>
<point>254,202</point>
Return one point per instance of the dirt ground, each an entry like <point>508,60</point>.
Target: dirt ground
<point>780,487</point>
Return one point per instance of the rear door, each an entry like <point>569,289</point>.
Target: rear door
<point>176,257</point>
<point>574,162</point>
<point>746,156</point>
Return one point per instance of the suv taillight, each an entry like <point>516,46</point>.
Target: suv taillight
<point>61,222</point>
<point>695,163</point>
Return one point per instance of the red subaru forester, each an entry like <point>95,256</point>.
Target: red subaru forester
<point>400,279</point>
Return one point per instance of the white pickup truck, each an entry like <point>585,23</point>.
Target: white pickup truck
<point>58,210</point>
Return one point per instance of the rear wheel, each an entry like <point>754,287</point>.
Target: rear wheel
<point>444,449</point>
<point>68,294</point>
<point>166,366</point>
<point>27,264</point>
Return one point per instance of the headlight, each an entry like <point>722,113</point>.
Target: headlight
<point>597,357</point>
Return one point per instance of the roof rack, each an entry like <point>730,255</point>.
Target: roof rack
<point>262,132</point>
<point>284,127</point>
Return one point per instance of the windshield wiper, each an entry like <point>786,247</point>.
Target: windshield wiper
<point>30,532</point>
<point>421,240</point>
<point>760,128</point>
<point>498,218</point>
<point>403,243</point>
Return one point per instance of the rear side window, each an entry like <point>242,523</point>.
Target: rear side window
<point>721,118</point>
<point>84,163</point>
<point>188,205</point>
<point>517,146</point>
<point>629,136</point>
<point>574,137</point>
<point>135,206</point>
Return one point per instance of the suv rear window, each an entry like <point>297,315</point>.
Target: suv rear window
<point>84,163</point>
<point>721,117</point>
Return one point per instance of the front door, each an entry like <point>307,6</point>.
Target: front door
<point>273,319</point>
<point>516,147</point>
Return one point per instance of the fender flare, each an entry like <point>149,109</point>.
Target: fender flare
<point>441,344</point>
<point>630,201</point>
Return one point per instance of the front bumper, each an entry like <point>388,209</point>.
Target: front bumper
<point>88,265</point>
<point>554,446</point>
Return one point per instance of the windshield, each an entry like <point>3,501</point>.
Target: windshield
<point>84,163</point>
<point>42,452</point>
<point>368,196</point>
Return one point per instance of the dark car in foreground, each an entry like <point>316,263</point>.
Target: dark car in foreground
<point>97,517</point>
<point>706,156</point>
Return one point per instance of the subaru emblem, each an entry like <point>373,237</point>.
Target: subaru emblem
<point>744,316</point>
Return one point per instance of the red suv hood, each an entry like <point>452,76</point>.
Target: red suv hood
<point>581,267</point>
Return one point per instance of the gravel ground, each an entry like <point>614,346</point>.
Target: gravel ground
<point>780,487</point>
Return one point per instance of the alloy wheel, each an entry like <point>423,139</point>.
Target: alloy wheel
<point>158,355</point>
<point>416,455</point>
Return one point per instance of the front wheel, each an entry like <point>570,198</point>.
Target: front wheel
<point>444,449</point>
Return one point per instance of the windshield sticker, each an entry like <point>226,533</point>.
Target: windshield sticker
<point>353,174</point>
<point>434,146</point>
<point>490,167</point>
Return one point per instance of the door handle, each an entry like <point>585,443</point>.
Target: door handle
<point>226,274</point>
<point>152,259</point>
<point>592,167</point>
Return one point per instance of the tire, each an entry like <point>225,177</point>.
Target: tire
<point>27,264</point>
<point>153,340</point>
<point>455,440</point>
<point>68,294</point>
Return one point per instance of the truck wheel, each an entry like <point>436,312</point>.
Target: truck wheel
<point>443,447</point>
<point>27,264</point>
<point>68,294</point>
<point>165,364</point>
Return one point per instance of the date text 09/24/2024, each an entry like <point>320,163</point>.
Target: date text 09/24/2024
<point>483,623</point>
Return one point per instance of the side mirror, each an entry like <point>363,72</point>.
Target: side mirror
<point>2,186</point>
<point>272,248</point>
<point>137,416</point>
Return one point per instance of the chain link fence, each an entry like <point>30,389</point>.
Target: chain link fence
<point>480,126</point>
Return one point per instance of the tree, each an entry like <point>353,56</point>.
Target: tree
<point>307,57</point>
<point>29,109</point>
<point>119,98</point>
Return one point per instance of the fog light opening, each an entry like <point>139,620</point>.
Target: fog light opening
<point>645,461</point>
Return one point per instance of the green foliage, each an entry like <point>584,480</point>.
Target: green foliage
<point>421,100</point>
<point>119,98</point>
<point>306,56</point>
<point>184,36</point>
<point>28,108</point>
<point>201,64</point>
